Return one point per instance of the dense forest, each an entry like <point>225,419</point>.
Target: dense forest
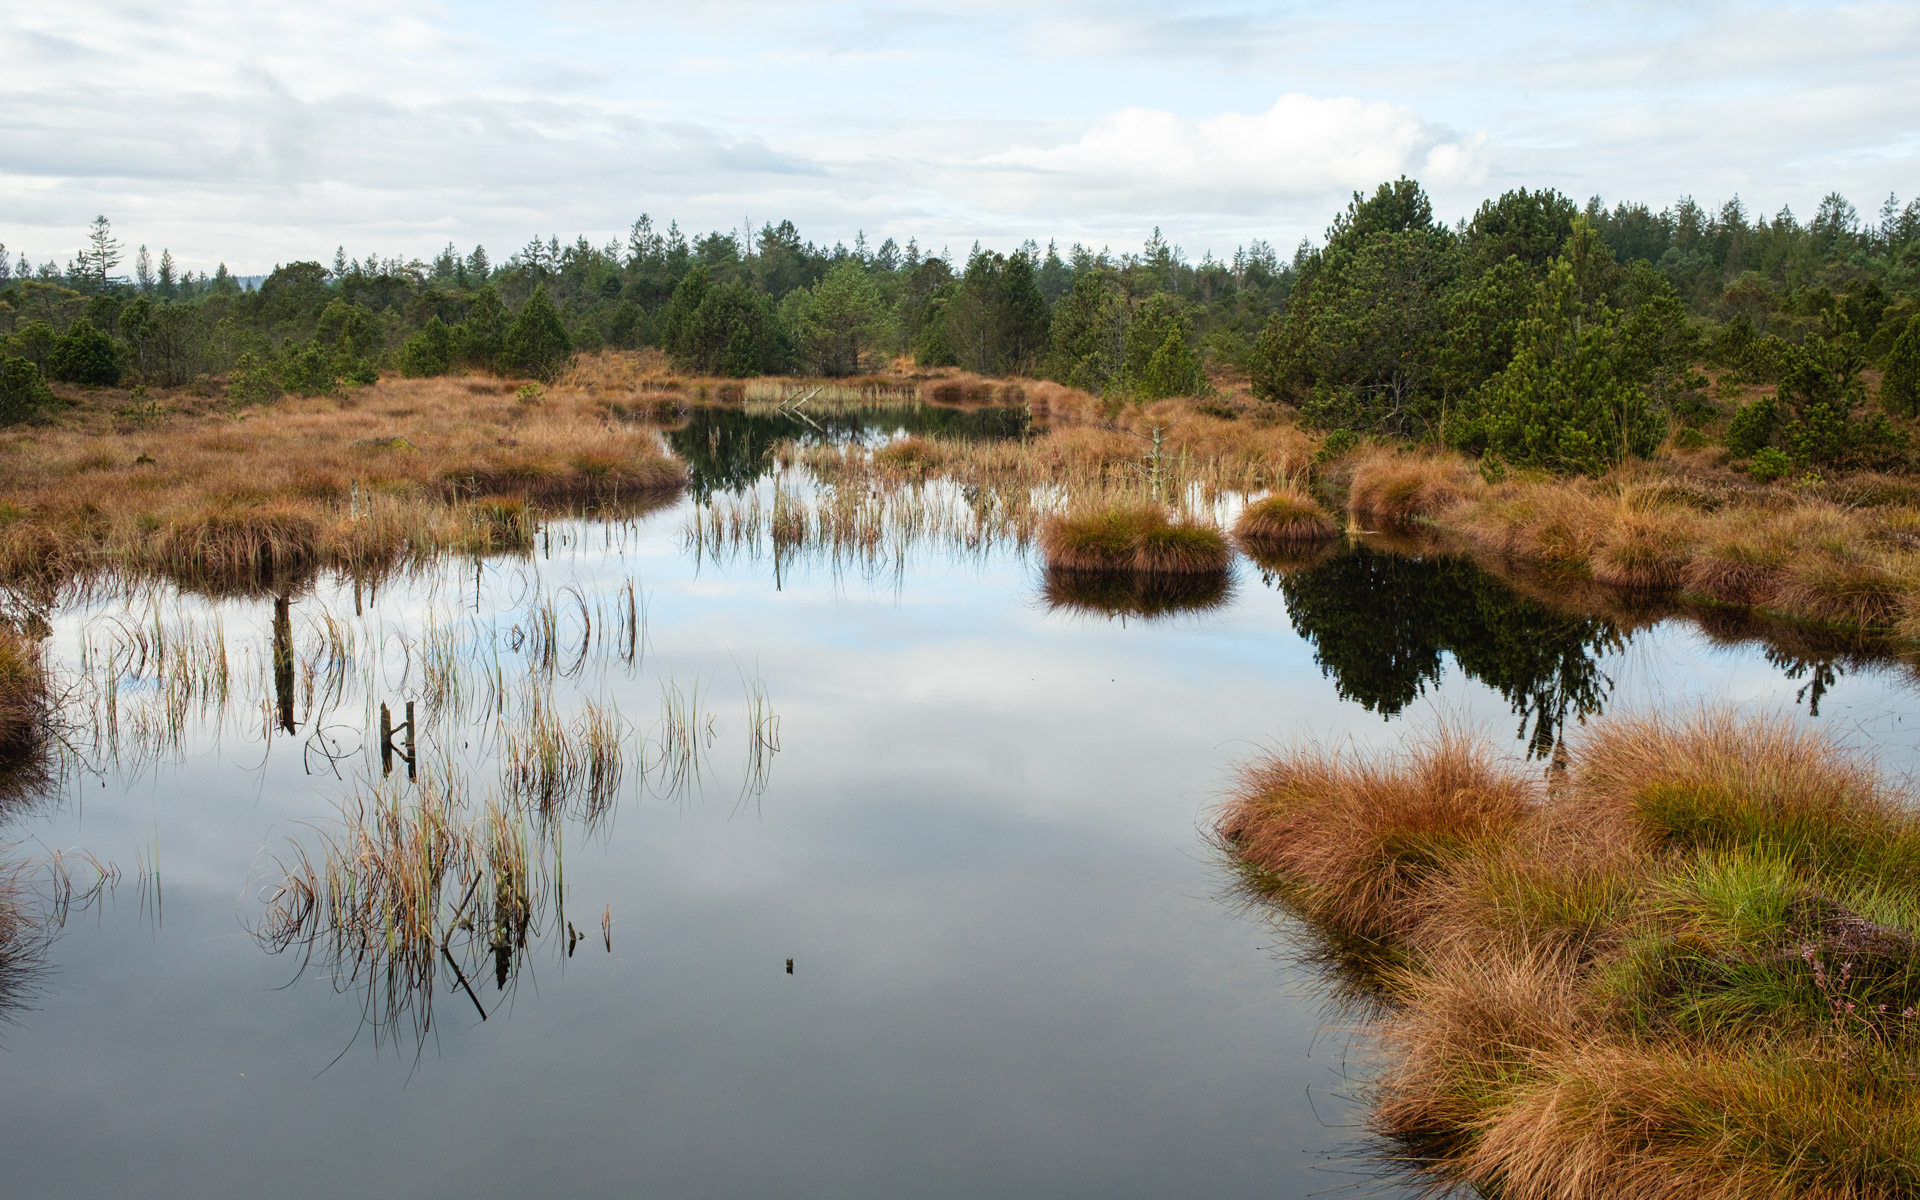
<point>1536,331</point>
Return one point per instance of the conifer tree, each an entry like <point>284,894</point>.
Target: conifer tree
<point>102,254</point>
<point>1900,373</point>
<point>85,355</point>
<point>23,392</point>
<point>537,346</point>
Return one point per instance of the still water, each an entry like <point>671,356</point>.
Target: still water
<point>970,812</point>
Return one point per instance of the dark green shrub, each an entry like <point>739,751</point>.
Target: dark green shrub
<point>537,345</point>
<point>23,392</point>
<point>1337,443</point>
<point>85,355</point>
<point>309,371</point>
<point>1174,370</point>
<point>252,381</point>
<point>1753,427</point>
<point>1769,463</point>
<point>483,335</point>
<point>33,341</point>
<point>1693,408</point>
<point>349,330</point>
<point>429,352</point>
<point>1900,372</point>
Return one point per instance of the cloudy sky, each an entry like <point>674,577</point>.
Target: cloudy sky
<point>255,132</point>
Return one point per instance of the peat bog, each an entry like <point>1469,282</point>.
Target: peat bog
<point>849,699</point>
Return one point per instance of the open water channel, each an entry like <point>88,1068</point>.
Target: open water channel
<point>973,818</point>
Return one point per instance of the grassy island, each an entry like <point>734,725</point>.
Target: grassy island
<point>1688,965</point>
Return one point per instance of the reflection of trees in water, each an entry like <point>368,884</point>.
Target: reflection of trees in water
<point>1379,624</point>
<point>728,449</point>
<point>1819,657</point>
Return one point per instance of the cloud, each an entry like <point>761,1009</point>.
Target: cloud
<point>255,133</point>
<point>1302,147</point>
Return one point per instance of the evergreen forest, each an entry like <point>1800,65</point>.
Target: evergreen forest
<point>1538,331</point>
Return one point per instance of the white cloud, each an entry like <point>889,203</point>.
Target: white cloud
<point>1302,147</point>
<point>257,133</point>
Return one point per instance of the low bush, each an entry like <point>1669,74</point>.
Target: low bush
<point>23,392</point>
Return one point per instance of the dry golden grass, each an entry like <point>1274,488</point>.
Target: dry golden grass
<point>23,692</point>
<point>1286,518</point>
<point>1693,970</point>
<point>236,498</point>
<point>1361,841</point>
<point>406,467</point>
<point>1717,781</point>
<point>1795,554</point>
<point>1135,541</point>
<point>1395,487</point>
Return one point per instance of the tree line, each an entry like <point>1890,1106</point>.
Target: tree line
<point>1535,331</point>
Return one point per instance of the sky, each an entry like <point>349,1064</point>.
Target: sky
<point>255,132</point>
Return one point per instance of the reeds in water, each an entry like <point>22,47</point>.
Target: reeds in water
<point>553,766</point>
<point>686,732</point>
<point>409,879</point>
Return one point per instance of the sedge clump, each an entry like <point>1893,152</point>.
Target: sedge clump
<point>1133,541</point>
<point>1689,968</point>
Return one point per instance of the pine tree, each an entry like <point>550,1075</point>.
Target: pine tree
<point>1568,399</point>
<point>1900,373</point>
<point>741,358</point>
<point>429,352</point>
<point>85,355</point>
<point>143,270</point>
<point>537,346</point>
<point>1175,370</point>
<point>164,280</point>
<point>102,254</point>
<point>481,337</point>
<point>23,392</point>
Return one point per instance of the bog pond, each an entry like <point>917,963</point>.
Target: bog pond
<point>725,866</point>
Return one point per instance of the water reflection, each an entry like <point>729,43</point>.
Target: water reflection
<point>1380,624</point>
<point>730,449</point>
<point>1124,594</point>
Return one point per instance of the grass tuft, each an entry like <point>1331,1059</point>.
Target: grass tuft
<point>1133,541</point>
<point>1361,842</point>
<point>1399,488</point>
<point>1693,969</point>
<point>1286,518</point>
